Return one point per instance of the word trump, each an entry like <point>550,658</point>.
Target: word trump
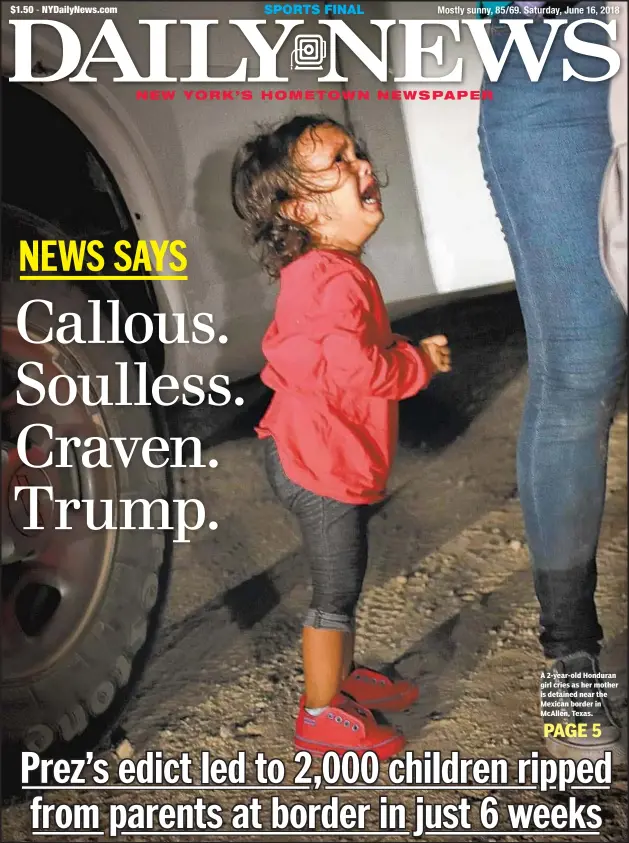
<point>152,45</point>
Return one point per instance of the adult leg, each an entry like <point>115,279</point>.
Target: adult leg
<point>545,146</point>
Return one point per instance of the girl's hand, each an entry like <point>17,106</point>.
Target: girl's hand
<point>439,352</point>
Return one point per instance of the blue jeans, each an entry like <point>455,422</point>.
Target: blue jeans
<point>544,147</point>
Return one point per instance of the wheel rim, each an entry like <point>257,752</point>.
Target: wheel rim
<point>52,579</point>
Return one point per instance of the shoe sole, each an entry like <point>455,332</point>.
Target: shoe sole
<point>385,750</point>
<point>563,749</point>
<point>389,704</point>
<point>405,704</point>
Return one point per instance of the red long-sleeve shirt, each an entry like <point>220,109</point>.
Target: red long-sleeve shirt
<point>338,374</point>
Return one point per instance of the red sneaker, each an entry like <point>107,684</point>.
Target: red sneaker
<point>344,726</point>
<point>377,691</point>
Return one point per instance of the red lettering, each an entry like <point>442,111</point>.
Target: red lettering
<point>155,95</point>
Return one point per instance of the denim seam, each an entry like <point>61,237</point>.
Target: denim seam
<point>324,534</point>
<point>318,619</point>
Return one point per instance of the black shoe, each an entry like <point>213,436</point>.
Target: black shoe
<point>584,707</point>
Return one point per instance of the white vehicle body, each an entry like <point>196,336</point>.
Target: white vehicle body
<point>171,163</point>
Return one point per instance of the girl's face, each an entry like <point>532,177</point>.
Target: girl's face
<point>344,208</point>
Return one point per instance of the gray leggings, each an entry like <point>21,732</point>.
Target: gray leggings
<point>335,540</point>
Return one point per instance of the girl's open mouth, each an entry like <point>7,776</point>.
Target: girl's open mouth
<point>370,196</point>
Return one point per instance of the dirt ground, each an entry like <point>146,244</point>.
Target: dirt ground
<point>448,602</point>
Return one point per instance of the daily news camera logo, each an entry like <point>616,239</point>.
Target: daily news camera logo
<point>309,53</point>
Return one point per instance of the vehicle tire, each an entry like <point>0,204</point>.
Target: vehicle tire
<point>79,605</point>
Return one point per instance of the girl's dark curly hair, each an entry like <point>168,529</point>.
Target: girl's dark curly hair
<point>263,177</point>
